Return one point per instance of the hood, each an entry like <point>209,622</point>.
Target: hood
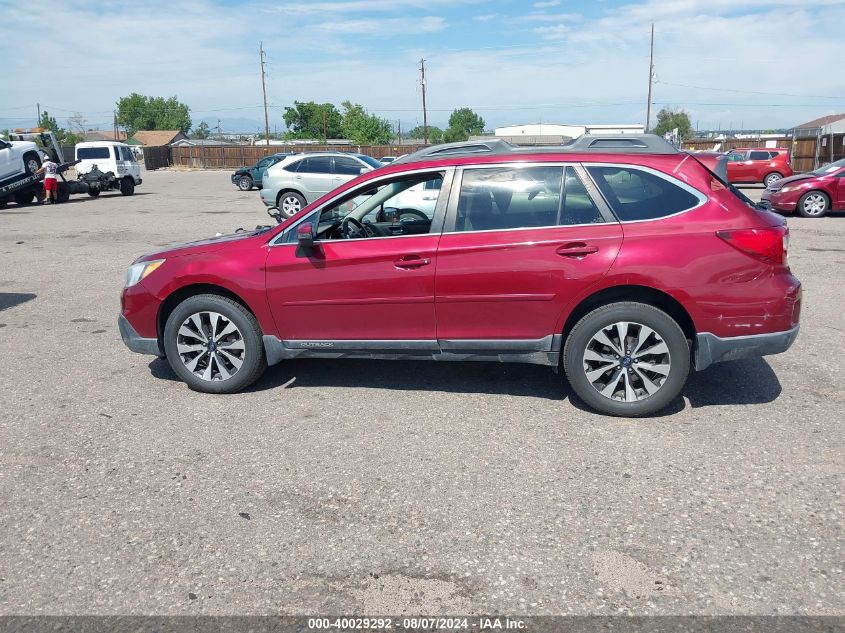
<point>241,170</point>
<point>202,246</point>
<point>792,179</point>
<point>24,145</point>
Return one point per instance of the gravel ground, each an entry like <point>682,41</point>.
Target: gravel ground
<point>391,487</point>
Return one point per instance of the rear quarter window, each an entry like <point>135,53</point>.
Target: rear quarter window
<point>635,194</point>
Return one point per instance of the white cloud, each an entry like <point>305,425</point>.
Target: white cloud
<point>486,17</point>
<point>385,26</point>
<point>546,4</point>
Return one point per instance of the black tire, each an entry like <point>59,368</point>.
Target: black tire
<point>813,204</point>
<point>62,192</point>
<point>24,197</point>
<point>245,183</point>
<point>254,360</point>
<point>93,192</point>
<point>31,163</point>
<point>772,178</point>
<point>602,319</point>
<point>127,186</point>
<point>289,203</point>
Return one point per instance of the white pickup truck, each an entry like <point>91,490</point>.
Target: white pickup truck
<point>18,158</point>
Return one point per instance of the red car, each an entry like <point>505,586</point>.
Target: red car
<point>758,165</point>
<point>810,195</point>
<point>623,260</point>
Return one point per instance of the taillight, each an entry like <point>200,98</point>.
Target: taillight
<point>769,244</point>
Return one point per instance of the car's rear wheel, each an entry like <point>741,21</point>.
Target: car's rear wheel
<point>772,178</point>
<point>627,359</point>
<point>245,183</point>
<point>813,204</point>
<point>290,203</point>
<point>24,197</point>
<point>214,344</point>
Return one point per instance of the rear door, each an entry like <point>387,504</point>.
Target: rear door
<point>345,169</point>
<point>520,243</point>
<point>761,164</point>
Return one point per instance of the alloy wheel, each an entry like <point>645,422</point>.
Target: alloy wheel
<point>290,206</point>
<point>815,204</point>
<point>627,361</point>
<point>32,165</point>
<point>210,346</point>
<point>772,179</point>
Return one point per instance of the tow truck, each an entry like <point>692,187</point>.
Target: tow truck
<point>21,156</point>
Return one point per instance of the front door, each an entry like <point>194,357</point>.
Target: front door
<point>739,167</point>
<point>520,244</point>
<point>314,177</point>
<point>368,281</point>
<point>839,205</point>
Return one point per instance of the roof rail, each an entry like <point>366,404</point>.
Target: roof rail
<point>588,143</point>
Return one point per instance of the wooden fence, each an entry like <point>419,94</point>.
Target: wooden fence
<point>811,152</point>
<point>732,143</point>
<point>234,156</point>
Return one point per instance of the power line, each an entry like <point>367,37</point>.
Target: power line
<point>750,92</point>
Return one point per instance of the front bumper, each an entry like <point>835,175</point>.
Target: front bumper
<point>779,201</point>
<point>135,341</point>
<point>711,349</point>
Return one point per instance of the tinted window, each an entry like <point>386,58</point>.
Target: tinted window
<point>635,194</point>
<point>316,165</point>
<point>372,162</point>
<point>736,157</point>
<point>347,166</point>
<point>509,198</point>
<point>578,206</point>
<point>127,153</point>
<point>87,153</point>
<point>264,162</point>
<point>294,166</point>
<point>760,155</point>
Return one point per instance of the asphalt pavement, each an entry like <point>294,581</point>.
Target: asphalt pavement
<point>392,487</point>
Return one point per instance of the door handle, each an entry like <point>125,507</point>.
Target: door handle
<point>576,249</point>
<point>411,261</point>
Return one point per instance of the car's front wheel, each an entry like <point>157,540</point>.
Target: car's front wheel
<point>627,359</point>
<point>245,183</point>
<point>214,344</point>
<point>127,186</point>
<point>290,203</point>
<point>813,204</point>
<point>771,178</point>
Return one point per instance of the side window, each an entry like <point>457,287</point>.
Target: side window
<point>736,157</point>
<point>264,162</point>
<point>578,206</point>
<point>347,166</point>
<point>392,209</point>
<point>760,155</point>
<point>127,153</point>
<point>635,194</point>
<point>116,149</point>
<point>316,165</point>
<point>508,198</point>
<point>295,166</point>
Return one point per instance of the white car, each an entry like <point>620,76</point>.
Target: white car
<point>110,156</point>
<point>18,158</point>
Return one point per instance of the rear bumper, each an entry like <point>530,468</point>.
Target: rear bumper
<point>711,349</point>
<point>135,341</point>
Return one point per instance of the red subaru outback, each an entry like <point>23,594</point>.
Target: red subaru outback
<point>622,260</point>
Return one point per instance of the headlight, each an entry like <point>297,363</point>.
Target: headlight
<point>139,271</point>
<point>788,188</point>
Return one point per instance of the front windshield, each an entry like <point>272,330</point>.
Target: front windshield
<point>372,162</point>
<point>829,168</point>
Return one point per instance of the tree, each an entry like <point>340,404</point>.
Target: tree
<point>435,134</point>
<point>668,120</point>
<point>63,137</point>
<point>138,112</point>
<point>76,123</point>
<point>309,120</point>
<point>462,124</point>
<point>201,131</point>
<point>364,129</point>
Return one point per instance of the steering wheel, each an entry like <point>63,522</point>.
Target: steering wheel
<point>344,228</point>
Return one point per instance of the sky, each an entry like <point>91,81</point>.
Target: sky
<point>755,64</point>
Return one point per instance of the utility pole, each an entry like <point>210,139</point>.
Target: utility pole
<point>116,130</point>
<point>650,80</point>
<point>425,114</point>
<point>399,128</point>
<point>38,120</point>
<point>264,90</point>
<point>325,128</point>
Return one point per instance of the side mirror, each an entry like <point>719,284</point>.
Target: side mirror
<point>364,170</point>
<point>305,235</point>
